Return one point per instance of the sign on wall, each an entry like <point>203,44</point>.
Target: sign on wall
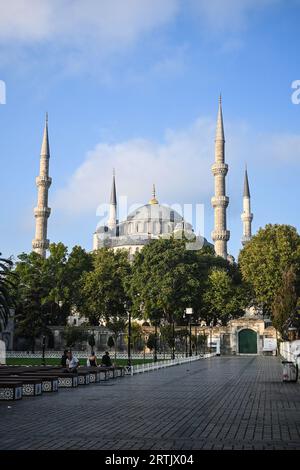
<point>270,344</point>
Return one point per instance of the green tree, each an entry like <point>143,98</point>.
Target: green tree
<point>117,326</point>
<point>285,302</point>
<point>265,258</point>
<point>151,341</point>
<point>91,341</point>
<point>110,342</point>
<point>74,334</point>
<point>6,282</point>
<point>136,335</point>
<point>103,290</point>
<point>32,317</point>
<point>222,299</point>
<point>167,278</point>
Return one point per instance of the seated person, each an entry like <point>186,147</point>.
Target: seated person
<point>72,363</point>
<point>93,359</point>
<point>106,361</point>
<point>64,358</point>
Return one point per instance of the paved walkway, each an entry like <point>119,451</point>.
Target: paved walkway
<point>217,403</point>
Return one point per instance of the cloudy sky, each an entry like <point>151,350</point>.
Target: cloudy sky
<point>133,85</point>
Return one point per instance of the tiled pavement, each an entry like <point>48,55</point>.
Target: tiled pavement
<point>217,403</point>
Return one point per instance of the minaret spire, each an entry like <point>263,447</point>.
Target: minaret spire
<point>220,201</point>
<point>40,244</point>
<point>112,219</point>
<point>246,216</point>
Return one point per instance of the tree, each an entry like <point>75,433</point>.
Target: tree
<point>32,317</point>
<point>6,280</point>
<point>265,258</point>
<point>73,335</point>
<point>222,299</point>
<point>136,335</point>
<point>65,273</point>
<point>117,326</point>
<point>285,302</point>
<point>151,341</point>
<point>167,278</point>
<point>91,341</point>
<point>110,342</point>
<point>103,291</point>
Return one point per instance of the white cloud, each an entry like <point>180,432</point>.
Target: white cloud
<point>104,21</point>
<point>180,166</point>
<point>230,15</point>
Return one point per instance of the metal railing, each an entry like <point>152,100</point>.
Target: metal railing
<point>141,368</point>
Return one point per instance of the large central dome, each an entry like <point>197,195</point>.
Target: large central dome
<point>152,219</point>
<point>148,222</point>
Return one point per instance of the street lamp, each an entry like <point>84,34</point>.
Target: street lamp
<point>189,313</point>
<point>155,341</point>
<point>129,340</point>
<point>173,338</point>
<point>43,346</point>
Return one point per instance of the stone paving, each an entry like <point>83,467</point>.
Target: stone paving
<point>217,403</point>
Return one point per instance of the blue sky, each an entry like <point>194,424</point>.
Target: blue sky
<point>133,85</point>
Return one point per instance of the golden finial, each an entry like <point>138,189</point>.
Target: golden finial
<point>153,200</point>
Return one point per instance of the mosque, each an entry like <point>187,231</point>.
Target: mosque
<point>152,220</point>
<point>250,334</point>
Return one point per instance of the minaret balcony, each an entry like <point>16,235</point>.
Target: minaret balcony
<point>43,244</point>
<point>247,217</point>
<point>220,201</point>
<point>245,239</point>
<point>222,235</point>
<point>44,181</point>
<point>219,169</point>
<point>42,212</point>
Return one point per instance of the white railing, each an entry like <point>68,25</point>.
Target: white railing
<point>290,350</point>
<point>84,354</point>
<point>140,368</point>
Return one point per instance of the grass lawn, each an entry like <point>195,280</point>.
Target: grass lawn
<point>27,361</point>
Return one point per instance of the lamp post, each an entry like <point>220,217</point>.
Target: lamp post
<point>189,313</point>
<point>211,326</point>
<point>173,338</point>
<point>129,340</point>
<point>43,349</point>
<point>155,342</point>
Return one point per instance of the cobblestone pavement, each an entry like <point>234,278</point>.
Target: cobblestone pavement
<point>217,403</point>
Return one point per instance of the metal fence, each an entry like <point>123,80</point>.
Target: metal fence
<point>140,368</point>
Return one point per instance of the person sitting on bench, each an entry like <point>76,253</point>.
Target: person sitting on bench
<point>106,361</point>
<point>93,359</point>
<point>72,363</point>
<point>64,358</point>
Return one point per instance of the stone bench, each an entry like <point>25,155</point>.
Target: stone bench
<point>65,379</point>
<point>10,390</point>
<point>31,387</point>
<point>49,383</point>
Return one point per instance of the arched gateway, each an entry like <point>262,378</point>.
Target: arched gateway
<point>247,341</point>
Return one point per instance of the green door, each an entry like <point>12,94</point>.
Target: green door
<point>247,342</point>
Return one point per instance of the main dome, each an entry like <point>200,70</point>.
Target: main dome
<point>154,219</point>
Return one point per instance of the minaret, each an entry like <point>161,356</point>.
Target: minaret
<point>220,234</point>
<point>40,244</point>
<point>246,216</point>
<point>112,218</point>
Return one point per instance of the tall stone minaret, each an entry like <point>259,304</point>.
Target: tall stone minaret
<point>112,218</point>
<point>40,244</point>
<point>246,216</point>
<point>220,234</point>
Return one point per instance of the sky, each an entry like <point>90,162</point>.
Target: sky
<point>134,85</point>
